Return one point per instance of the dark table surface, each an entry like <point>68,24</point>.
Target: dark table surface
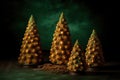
<point>10,70</point>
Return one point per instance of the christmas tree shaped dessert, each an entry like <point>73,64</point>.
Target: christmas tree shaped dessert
<point>30,52</point>
<point>76,61</point>
<point>94,53</point>
<point>61,45</point>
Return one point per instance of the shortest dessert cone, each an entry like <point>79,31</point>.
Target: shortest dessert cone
<point>76,61</point>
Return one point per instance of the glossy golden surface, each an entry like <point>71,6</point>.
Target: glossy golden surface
<point>30,51</point>
<point>61,44</point>
<point>76,59</point>
<point>94,53</point>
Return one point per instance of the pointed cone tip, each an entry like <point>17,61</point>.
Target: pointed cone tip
<point>93,32</point>
<point>61,16</point>
<point>31,19</point>
<point>31,15</point>
<point>76,42</point>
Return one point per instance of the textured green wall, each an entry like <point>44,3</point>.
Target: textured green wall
<point>81,20</point>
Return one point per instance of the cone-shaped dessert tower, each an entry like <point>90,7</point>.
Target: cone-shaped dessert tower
<point>77,59</point>
<point>30,52</point>
<point>61,45</point>
<point>94,52</point>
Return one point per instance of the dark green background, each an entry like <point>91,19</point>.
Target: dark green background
<point>82,16</point>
